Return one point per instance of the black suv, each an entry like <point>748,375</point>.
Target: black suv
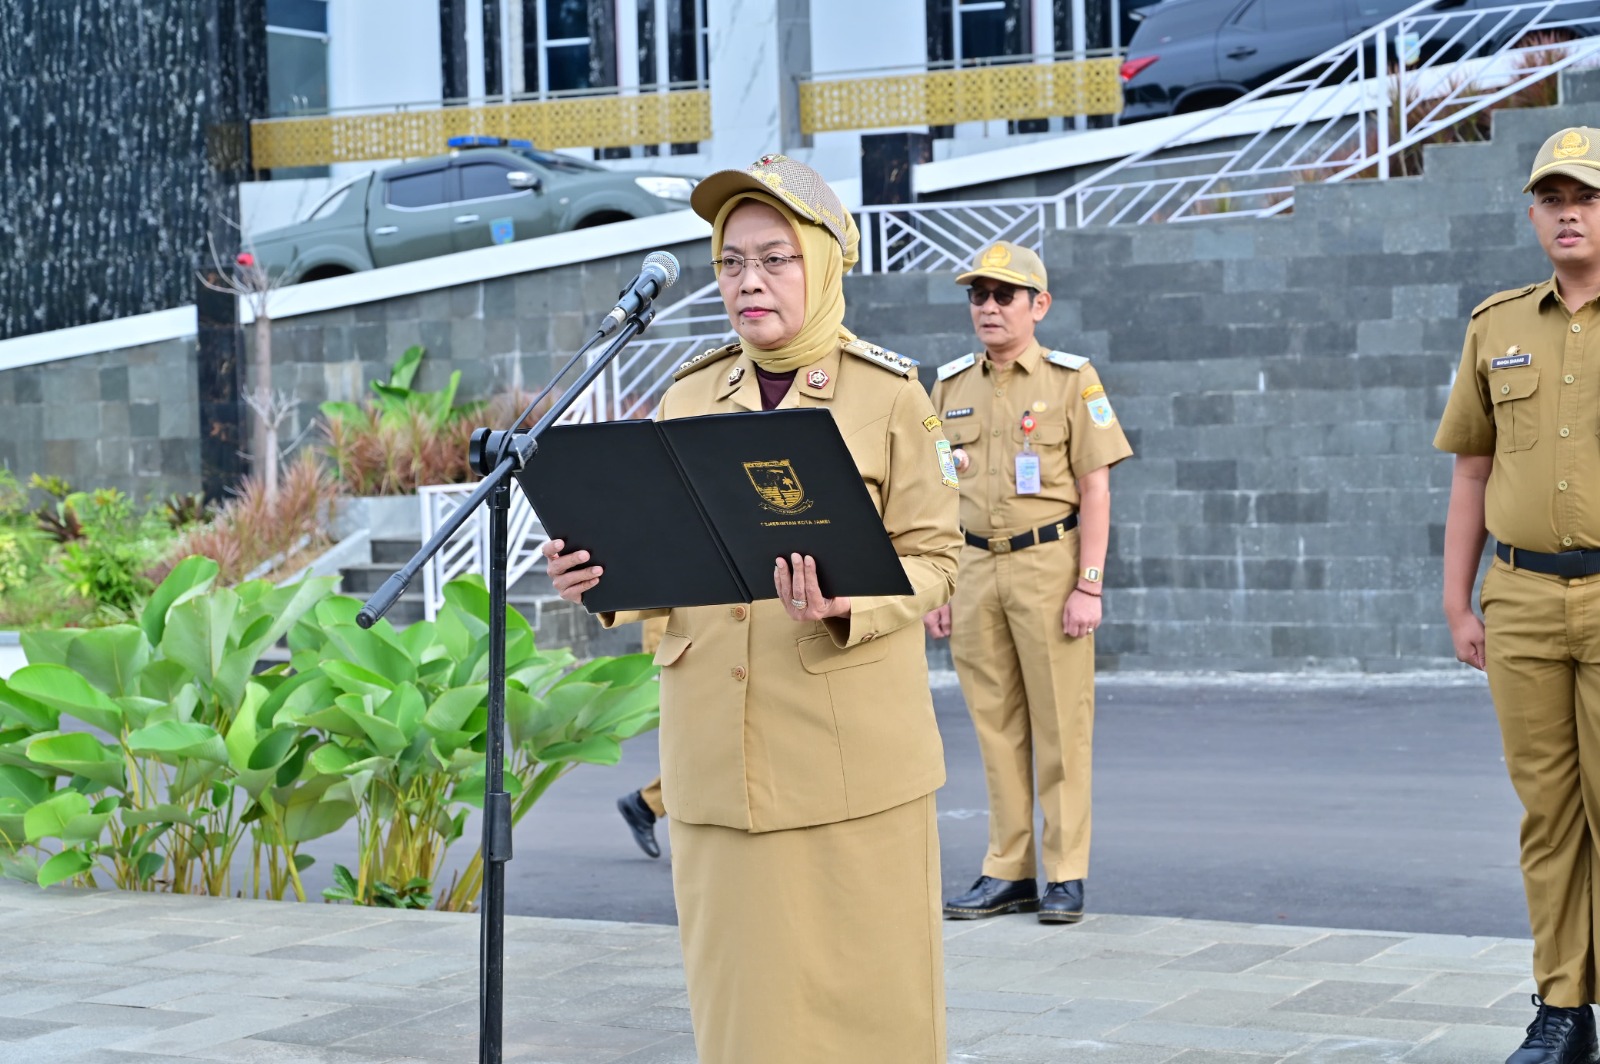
<point>1188,55</point>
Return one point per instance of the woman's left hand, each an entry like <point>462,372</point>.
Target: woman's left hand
<point>796,581</point>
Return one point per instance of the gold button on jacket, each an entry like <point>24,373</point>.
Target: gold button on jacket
<point>831,720</point>
<point>1528,393</point>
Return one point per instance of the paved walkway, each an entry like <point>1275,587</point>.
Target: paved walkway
<point>111,978</point>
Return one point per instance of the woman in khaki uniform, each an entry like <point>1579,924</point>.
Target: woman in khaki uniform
<point>799,750</point>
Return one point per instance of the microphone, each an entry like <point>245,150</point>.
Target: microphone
<point>658,273</point>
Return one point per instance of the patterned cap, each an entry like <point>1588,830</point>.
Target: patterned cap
<point>796,184</point>
<point>1011,263</point>
<point>1573,152</point>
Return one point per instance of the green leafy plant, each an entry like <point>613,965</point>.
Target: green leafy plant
<point>159,754</point>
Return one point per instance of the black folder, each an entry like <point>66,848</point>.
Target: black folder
<point>694,511</point>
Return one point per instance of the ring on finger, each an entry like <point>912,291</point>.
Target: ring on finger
<point>798,604</point>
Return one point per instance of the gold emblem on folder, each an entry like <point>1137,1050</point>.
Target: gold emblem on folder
<point>778,485</point>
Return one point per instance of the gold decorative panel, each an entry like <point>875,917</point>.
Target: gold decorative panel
<point>576,122</point>
<point>976,94</point>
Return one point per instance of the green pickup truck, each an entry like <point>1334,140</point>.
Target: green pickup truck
<point>485,191</point>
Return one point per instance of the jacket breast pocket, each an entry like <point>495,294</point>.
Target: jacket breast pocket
<point>1516,414</point>
<point>962,435</point>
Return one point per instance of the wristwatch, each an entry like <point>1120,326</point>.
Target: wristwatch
<point>1091,574</point>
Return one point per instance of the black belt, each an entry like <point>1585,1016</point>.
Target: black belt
<point>1043,534</point>
<point>1568,563</point>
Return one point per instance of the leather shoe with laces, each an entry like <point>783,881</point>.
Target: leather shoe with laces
<point>1062,902</point>
<point>1558,1036</point>
<point>993,897</point>
<point>641,821</point>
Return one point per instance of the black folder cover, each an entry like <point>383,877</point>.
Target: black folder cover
<point>693,511</point>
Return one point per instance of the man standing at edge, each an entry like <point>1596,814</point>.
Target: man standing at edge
<point>1522,420</point>
<point>1036,439</point>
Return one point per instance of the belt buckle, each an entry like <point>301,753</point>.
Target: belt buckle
<point>1000,545</point>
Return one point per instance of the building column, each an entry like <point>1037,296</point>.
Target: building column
<point>756,52</point>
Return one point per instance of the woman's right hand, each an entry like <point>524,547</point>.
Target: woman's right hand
<point>568,572</point>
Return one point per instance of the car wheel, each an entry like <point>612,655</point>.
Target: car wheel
<point>603,218</point>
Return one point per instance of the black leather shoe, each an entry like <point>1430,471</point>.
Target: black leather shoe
<point>1558,1036</point>
<point>993,897</point>
<point>1062,902</point>
<point>641,821</point>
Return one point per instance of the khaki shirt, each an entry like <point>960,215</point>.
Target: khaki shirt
<point>1528,393</point>
<point>1076,432</point>
<point>768,724</point>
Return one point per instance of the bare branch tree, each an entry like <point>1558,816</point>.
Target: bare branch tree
<point>248,279</point>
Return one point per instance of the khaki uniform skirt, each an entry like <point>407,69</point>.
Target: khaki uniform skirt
<point>814,944</point>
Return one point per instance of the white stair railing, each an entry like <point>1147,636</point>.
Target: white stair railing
<point>629,387</point>
<point>1352,111</point>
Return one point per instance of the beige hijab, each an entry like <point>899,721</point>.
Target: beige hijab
<point>825,264</point>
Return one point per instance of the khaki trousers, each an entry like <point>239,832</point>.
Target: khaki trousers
<point>1030,691</point>
<point>814,945</point>
<point>1543,655</point>
<point>651,793</point>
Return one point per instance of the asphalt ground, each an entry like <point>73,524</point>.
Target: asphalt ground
<point>1376,805</point>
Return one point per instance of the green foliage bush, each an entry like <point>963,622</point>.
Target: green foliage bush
<point>162,755</point>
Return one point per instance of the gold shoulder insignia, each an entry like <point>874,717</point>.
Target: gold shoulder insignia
<point>1502,297</point>
<point>704,359</point>
<point>879,357</point>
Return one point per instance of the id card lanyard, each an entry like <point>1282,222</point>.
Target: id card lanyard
<point>1028,459</point>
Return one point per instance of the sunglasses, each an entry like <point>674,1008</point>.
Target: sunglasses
<point>1003,295</point>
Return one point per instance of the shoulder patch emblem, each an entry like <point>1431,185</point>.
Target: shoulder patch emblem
<point>1502,297</point>
<point>947,464</point>
<point>950,369</point>
<point>704,359</point>
<point>1061,358</point>
<point>931,422</point>
<point>1100,412</point>
<point>879,357</point>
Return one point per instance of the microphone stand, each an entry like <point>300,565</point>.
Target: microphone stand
<point>496,455</point>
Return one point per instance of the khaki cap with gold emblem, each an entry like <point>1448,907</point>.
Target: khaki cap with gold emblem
<point>1008,262</point>
<point>1573,152</point>
<point>795,183</point>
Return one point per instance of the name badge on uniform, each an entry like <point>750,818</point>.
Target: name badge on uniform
<point>1507,361</point>
<point>965,411</point>
<point>1028,473</point>
<point>1028,459</point>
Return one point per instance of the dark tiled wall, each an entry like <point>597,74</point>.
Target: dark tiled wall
<point>120,149</point>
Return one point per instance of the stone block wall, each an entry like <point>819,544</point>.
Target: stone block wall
<point>1281,381</point>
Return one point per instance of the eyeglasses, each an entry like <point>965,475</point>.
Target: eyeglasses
<point>733,265</point>
<point>1003,295</point>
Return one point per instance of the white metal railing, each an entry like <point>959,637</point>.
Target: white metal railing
<point>629,387</point>
<point>1341,115</point>
<point>1354,110</point>
<point>927,237</point>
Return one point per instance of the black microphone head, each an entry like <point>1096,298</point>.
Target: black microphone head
<point>668,262</point>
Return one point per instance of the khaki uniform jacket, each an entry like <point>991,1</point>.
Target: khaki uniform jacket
<point>1528,393</point>
<point>1076,432</point>
<point>768,724</point>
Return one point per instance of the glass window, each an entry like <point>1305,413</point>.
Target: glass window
<point>483,180</point>
<point>569,66</point>
<point>566,18</point>
<point>415,190</point>
<point>309,16</point>
<point>987,28</point>
<point>297,73</point>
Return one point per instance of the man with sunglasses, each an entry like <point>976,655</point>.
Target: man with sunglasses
<point>1035,440</point>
